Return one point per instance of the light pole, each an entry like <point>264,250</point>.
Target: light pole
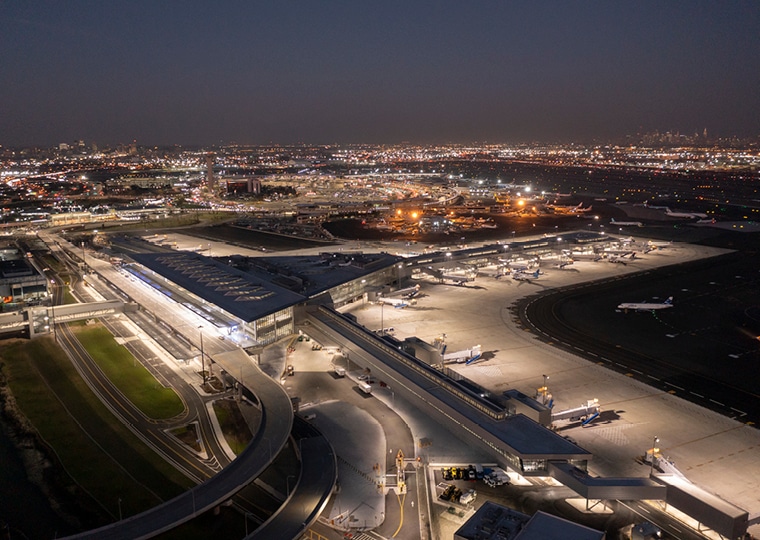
<point>654,449</point>
<point>382,324</point>
<point>545,389</point>
<point>119,508</point>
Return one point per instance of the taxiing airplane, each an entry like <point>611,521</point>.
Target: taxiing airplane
<point>626,223</point>
<point>647,306</point>
<point>669,212</point>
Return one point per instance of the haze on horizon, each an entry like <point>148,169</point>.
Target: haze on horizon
<point>382,72</point>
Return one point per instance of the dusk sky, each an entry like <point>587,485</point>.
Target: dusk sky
<point>375,72</point>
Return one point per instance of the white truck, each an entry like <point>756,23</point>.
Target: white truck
<point>468,497</point>
<point>340,371</point>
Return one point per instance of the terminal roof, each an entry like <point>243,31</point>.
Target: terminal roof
<point>239,293</point>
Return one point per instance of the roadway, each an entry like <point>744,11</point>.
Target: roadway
<point>315,383</point>
<point>276,422</point>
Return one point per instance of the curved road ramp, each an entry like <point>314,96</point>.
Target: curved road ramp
<point>304,504</point>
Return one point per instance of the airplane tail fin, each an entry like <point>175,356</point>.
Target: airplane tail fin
<point>669,300</point>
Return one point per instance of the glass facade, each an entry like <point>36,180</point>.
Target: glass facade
<point>273,327</point>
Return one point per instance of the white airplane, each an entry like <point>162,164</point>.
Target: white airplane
<point>669,212</point>
<point>408,292</point>
<point>626,223</point>
<point>620,257</point>
<point>520,265</point>
<point>651,245</point>
<point>585,256</point>
<point>457,279</point>
<point>647,306</point>
<point>398,303</point>
<point>522,276</point>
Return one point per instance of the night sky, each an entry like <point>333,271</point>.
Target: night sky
<point>286,71</point>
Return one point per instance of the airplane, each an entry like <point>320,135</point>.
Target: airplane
<point>620,257</point>
<point>519,265</point>
<point>562,264</point>
<point>408,292</point>
<point>522,276</point>
<point>457,279</point>
<point>569,209</point>
<point>585,256</point>
<point>669,212</point>
<point>646,306</point>
<point>626,223</point>
<point>397,303</point>
<point>652,245</point>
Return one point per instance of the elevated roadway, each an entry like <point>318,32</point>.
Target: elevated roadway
<point>276,423</point>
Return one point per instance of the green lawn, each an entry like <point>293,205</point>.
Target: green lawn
<point>129,376</point>
<point>101,461</point>
<point>234,427</point>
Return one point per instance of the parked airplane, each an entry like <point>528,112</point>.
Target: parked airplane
<point>626,223</point>
<point>457,278</point>
<point>408,292</point>
<point>398,303</point>
<point>651,245</point>
<point>585,256</point>
<point>669,212</point>
<point>520,265</point>
<point>522,276</point>
<point>647,306</point>
<point>620,258</point>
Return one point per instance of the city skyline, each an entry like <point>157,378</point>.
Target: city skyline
<point>344,72</point>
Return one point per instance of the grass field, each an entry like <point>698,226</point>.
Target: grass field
<point>129,376</point>
<point>103,461</point>
<point>235,429</point>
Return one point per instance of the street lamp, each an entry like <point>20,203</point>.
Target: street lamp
<point>654,449</point>
<point>382,325</point>
<point>545,389</point>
